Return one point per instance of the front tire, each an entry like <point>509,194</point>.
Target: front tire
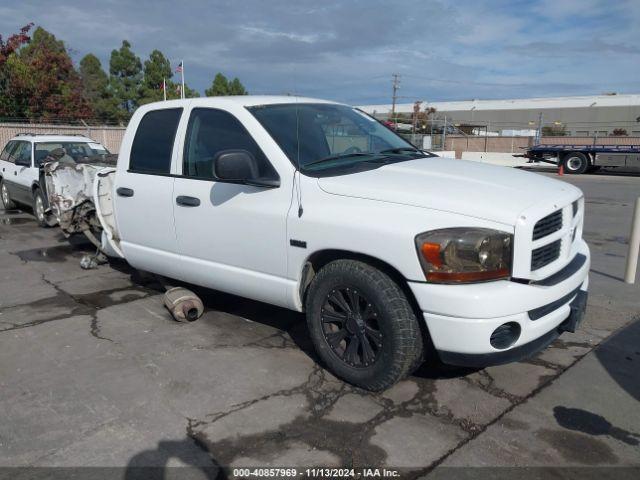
<point>362,325</point>
<point>43,218</point>
<point>575,162</point>
<point>6,198</point>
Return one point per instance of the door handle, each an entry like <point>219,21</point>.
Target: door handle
<point>187,201</point>
<point>124,192</point>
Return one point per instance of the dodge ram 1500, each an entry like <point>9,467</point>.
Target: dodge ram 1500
<point>394,255</point>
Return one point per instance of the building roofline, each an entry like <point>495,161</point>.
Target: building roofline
<point>537,103</point>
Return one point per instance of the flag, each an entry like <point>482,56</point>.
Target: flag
<point>179,69</point>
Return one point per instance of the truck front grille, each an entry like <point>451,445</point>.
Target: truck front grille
<point>546,254</point>
<point>548,225</point>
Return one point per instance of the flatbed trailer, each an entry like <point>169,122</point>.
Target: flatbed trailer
<point>585,158</point>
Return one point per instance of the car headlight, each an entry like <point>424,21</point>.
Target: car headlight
<point>464,255</point>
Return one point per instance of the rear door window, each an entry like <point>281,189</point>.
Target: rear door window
<point>6,152</point>
<point>153,143</point>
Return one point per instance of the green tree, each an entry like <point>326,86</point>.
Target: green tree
<point>126,77</point>
<point>190,92</point>
<point>219,86</point>
<point>45,76</point>
<point>156,69</point>
<point>12,104</point>
<point>554,131</point>
<point>236,88</point>
<point>96,89</point>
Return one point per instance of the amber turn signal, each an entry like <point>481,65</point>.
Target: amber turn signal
<point>431,253</point>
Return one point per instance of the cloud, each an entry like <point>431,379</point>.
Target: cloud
<point>348,49</point>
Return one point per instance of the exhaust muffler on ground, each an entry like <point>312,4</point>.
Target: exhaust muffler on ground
<point>184,305</point>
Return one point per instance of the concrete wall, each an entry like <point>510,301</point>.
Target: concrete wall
<point>110,137</point>
<point>461,143</point>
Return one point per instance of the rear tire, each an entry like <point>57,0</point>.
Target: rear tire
<point>362,325</point>
<point>575,163</point>
<point>7,203</point>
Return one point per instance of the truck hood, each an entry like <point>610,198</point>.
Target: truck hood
<point>490,192</point>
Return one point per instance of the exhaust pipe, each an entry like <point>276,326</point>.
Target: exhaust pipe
<point>183,304</point>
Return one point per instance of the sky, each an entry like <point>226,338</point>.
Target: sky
<point>347,50</point>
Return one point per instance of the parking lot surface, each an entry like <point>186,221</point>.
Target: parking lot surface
<point>94,372</point>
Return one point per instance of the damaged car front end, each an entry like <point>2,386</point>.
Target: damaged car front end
<point>79,197</point>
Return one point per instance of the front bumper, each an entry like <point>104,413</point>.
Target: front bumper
<point>462,318</point>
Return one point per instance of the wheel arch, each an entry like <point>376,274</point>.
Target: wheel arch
<point>319,259</point>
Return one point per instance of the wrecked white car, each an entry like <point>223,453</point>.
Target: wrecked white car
<point>21,168</point>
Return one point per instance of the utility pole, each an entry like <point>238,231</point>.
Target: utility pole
<point>394,97</point>
<point>539,131</point>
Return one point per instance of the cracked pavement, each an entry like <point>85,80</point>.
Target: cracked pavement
<point>94,372</point>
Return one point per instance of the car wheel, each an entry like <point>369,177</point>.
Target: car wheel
<point>6,199</point>
<point>362,325</point>
<point>42,217</point>
<point>575,162</point>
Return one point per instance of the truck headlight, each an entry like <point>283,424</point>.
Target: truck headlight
<point>464,255</point>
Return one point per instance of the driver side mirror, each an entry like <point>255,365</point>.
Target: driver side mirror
<point>240,166</point>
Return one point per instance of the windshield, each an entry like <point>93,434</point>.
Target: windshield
<point>322,137</point>
<point>76,151</point>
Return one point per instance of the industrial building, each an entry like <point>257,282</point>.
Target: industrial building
<point>596,116</point>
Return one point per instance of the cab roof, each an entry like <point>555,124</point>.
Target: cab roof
<point>240,100</point>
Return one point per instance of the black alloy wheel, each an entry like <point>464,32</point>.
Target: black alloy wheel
<point>350,327</point>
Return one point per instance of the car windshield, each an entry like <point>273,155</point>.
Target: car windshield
<point>76,151</point>
<point>328,138</point>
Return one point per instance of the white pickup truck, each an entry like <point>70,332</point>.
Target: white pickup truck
<point>394,254</point>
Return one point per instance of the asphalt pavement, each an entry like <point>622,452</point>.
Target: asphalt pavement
<point>94,372</point>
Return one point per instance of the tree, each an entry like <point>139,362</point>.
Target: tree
<point>236,88</point>
<point>190,92</point>
<point>44,75</point>
<point>554,131</point>
<point>125,69</point>
<point>619,132</point>
<point>13,43</point>
<point>11,103</point>
<point>156,69</point>
<point>96,89</point>
<point>219,86</point>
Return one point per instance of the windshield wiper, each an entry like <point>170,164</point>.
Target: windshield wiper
<point>401,150</point>
<point>342,155</point>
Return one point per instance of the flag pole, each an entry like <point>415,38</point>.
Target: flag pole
<point>164,88</point>
<point>182,72</point>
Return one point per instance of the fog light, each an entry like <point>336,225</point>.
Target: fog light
<point>505,335</point>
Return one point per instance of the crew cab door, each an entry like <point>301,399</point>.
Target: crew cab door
<point>232,236</point>
<point>143,191</point>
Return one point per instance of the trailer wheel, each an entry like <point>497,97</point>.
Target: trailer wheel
<point>575,162</point>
